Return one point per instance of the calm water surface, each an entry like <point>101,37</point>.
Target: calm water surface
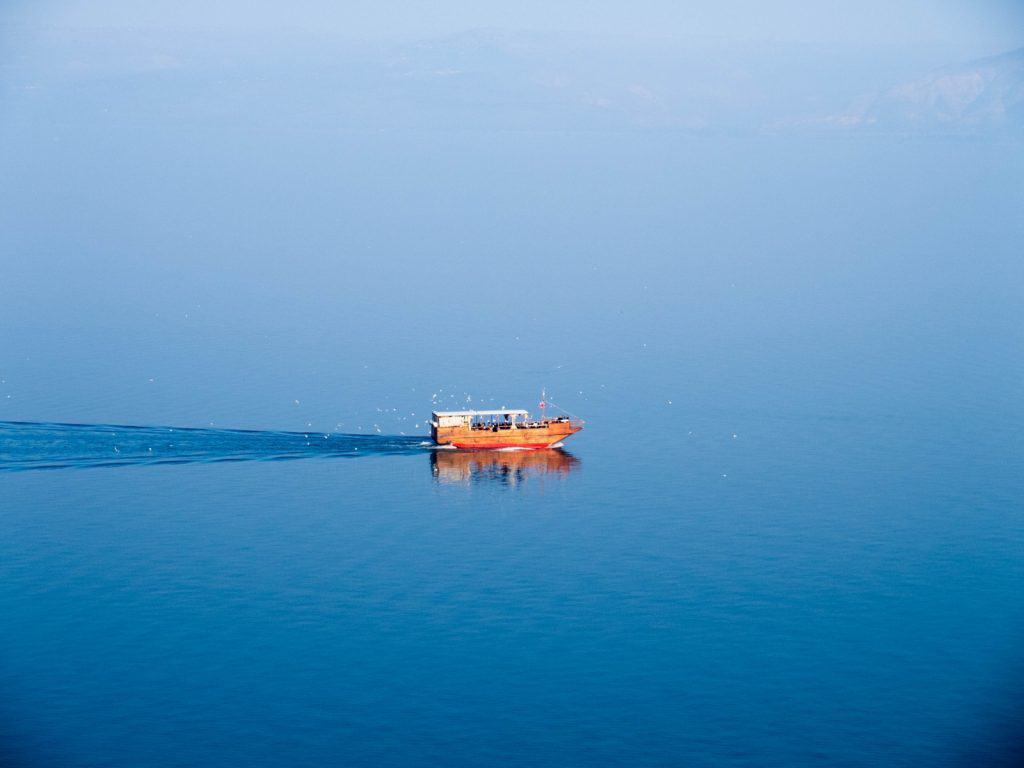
<point>791,533</point>
<point>815,589</point>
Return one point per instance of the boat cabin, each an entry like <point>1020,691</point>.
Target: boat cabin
<point>501,419</point>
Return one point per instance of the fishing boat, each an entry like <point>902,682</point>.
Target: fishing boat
<point>503,428</point>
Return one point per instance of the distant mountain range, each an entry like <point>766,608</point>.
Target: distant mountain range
<point>986,95</point>
<point>491,79</point>
<point>572,80</point>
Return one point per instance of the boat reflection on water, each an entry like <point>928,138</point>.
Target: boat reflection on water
<point>504,467</point>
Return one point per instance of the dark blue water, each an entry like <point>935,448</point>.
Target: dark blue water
<point>818,588</point>
<point>27,445</point>
<point>791,533</point>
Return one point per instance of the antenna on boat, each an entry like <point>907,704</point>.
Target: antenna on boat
<point>543,404</point>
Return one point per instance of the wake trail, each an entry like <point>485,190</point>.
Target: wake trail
<point>50,445</point>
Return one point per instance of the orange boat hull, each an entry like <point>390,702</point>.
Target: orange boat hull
<point>533,438</point>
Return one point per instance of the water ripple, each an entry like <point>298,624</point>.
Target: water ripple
<point>45,445</point>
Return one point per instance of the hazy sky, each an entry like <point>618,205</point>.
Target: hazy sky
<point>970,26</point>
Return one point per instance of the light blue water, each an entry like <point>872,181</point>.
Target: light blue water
<point>790,534</point>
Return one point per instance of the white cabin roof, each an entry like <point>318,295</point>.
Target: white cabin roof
<point>510,412</point>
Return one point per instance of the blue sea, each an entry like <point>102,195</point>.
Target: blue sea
<point>791,533</point>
